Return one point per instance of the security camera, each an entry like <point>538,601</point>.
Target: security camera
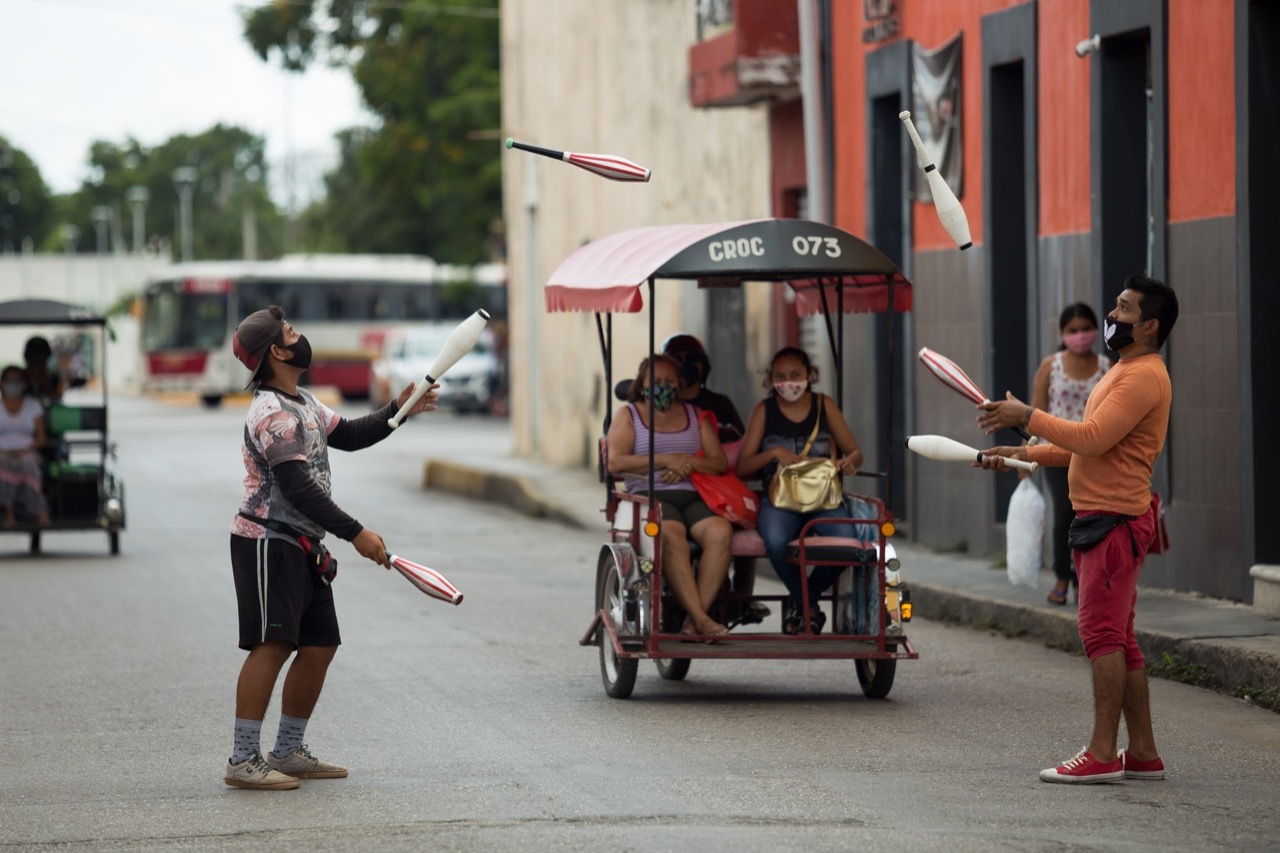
<point>1088,46</point>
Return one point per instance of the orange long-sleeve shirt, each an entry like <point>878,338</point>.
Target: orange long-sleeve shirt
<point>1112,451</point>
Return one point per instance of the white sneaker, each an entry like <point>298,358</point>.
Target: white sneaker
<point>303,765</point>
<point>255,774</point>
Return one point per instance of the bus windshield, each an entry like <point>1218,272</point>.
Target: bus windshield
<point>177,320</point>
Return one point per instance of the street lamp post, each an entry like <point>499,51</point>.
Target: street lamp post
<point>184,180</point>
<point>138,198</point>
<point>101,216</point>
<point>70,235</point>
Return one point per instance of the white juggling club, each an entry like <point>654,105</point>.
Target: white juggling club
<point>458,344</point>
<point>944,449</point>
<point>944,200</point>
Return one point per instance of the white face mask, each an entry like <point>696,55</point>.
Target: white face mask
<point>790,391</point>
<point>14,389</point>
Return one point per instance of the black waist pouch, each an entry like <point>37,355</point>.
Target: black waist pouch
<point>323,563</point>
<point>1087,531</point>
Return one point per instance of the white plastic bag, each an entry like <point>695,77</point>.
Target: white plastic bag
<point>1024,534</point>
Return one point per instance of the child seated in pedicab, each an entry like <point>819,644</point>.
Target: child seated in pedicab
<point>678,435</point>
<point>780,427</point>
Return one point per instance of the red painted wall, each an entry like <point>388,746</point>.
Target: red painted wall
<point>786,154</point>
<point>930,23</point>
<point>1202,110</point>
<point>1063,117</point>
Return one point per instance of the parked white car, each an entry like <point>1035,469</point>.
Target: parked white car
<point>407,356</point>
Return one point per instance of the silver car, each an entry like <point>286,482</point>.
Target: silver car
<point>466,387</point>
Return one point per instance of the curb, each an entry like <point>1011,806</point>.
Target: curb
<point>1233,667</point>
<point>510,490</point>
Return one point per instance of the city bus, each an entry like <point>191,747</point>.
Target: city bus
<point>345,304</point>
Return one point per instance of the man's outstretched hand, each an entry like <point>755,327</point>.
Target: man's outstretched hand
<point>1009,412</point>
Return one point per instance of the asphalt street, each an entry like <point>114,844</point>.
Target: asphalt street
<point>485,726</point>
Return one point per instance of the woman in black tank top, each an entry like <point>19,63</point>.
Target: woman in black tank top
<point>777,431</point>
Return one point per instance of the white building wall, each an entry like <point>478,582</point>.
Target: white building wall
<point>94,281</point>
<point>606,77</point>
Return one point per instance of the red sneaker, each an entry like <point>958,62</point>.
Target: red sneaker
<point>1084,769</point>
<point>1135,769</point>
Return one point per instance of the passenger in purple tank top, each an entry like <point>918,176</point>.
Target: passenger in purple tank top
<point>678,435</point>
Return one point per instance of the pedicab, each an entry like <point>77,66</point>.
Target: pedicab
<point>832,272</point>
<point>81,485</point>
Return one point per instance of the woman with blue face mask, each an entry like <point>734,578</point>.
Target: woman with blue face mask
<point>21,437</point>
<point>678,435</point>
<point>777,432</point>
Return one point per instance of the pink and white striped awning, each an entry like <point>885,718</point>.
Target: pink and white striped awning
<point>816,259</point>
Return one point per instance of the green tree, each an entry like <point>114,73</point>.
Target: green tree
<point>232,176</point>
<point>26,205</point>
<point>427,180</point>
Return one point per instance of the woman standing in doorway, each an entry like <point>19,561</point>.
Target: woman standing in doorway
<point>1061,386</point>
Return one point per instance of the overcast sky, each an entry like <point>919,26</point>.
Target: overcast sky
<point>75,71</point>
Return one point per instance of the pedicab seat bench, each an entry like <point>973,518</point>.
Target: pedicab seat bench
<point>833,549</point>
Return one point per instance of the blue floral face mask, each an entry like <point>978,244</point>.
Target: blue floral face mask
<point>662,396</point>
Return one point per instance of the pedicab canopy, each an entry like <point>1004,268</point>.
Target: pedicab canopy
<point>33,311</point>
<point>816,259</point>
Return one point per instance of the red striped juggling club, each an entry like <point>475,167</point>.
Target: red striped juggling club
<point>427,580</point>
<point>604,165</point>
<point>950,374</point>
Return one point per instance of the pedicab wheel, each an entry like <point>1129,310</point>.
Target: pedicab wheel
<point>618,674</point>
<point>673,669</point>
<point>35,542</point>
<point>876,676</point>
<point>115,542</point>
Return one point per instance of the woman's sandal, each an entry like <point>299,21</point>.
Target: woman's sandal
<point>817,620</point>
<point>1057,596</point>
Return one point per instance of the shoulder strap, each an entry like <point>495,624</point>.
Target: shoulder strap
<point>816,423</point>
<point>273,524</point>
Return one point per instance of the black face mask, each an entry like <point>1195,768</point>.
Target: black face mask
<point>1116,334</point>
<point>301,353</point>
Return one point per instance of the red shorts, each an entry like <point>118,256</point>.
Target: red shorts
<point>1108,574</point>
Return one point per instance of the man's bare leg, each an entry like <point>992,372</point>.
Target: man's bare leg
<point>305,679</point>
<point>1137,717</point>
<point>1109,686</point>
<point>258,677</point>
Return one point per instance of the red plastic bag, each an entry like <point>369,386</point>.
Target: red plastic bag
<point>1160,543</point>
<point>728,496</point>
<point>725,494</point>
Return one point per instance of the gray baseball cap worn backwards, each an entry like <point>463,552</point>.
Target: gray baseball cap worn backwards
<point>254,336</point>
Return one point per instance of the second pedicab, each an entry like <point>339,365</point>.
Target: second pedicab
<point>832,273</point>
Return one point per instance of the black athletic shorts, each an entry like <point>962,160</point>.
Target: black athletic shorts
<point>279,596</point>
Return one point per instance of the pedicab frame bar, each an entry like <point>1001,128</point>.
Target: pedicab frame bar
<point>832,272</point>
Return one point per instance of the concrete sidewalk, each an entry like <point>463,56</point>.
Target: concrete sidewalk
<point>1218,644</point>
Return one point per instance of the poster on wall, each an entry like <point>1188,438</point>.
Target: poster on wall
<point>935,110</point>
<point>715,17</point>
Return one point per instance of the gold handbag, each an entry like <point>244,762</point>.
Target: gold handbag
<point>810,484</point>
